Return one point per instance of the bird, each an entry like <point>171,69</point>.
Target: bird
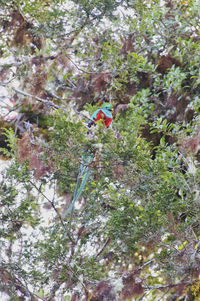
<point>103,113</point>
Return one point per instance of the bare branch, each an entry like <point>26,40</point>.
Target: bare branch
<point>49,103</point>
<point>6,83</point>
<point>9,65</point>
<point>164,286</point>
<point>82,70</point>
<point>38,57</point>
<point>44,101</point>
<point>57,97</point>
<point>55,209</point>
<point>141,298</point>
<point>165,293</point>
<point>104,246</point>
<point>146,263</point>
<point>12,110</point>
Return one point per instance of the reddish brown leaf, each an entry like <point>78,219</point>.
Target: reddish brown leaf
<point>17,18</point>
<point>132,286</point>
<point>166,62</point>
<point>74,298</point>
<point>32,153</point>
<point>24,148</point>
<point>118,171</point>
<point>172,224</point>
<point>47,206</point>
<point>37,164</point>
<point>100,81</point>
<point>63,60</point>
<point>127,45</point>
<point>121,108</point>
<point>56,274</point>
<point>103,292</point>
<point>81,232</point>
<point>190,144</point>
<point>171,101</point>
<point>5,276</point>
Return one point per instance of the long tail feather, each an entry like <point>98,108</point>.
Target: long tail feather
<point>82,178</point>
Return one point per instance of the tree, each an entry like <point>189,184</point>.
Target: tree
<point>134,232</point>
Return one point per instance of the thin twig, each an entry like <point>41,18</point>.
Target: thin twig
<point>55,209</point>
<point>57,97</point>
<point>7,82</point>
<point>164,286</point>
<point>85,116</point>
<point>9,65</point>
<point>71,83</point>
<point>15,64</point>
<point>141,298</point>
<point>25,286</point>
<point>82,70</point>
<point>165,293</point>
<point>44,101</point>
<point>104,246</point>
<point>12,110</point>
<point>146,263</point>
<point>49,103</point>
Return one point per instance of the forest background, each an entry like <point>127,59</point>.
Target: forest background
<point>135,231</point>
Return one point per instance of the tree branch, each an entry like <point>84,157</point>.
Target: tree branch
<point>163,286</point>
<point>49,103</point>
<point>55,209</point>
<point>82,70</point>
<point>6,83</point>
<point>44,101</point>
<point>104,246</point>
<point>38,57</point>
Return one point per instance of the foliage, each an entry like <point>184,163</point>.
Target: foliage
<point>135,229</point>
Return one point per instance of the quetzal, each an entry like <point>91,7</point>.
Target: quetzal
<point>105,113</point>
